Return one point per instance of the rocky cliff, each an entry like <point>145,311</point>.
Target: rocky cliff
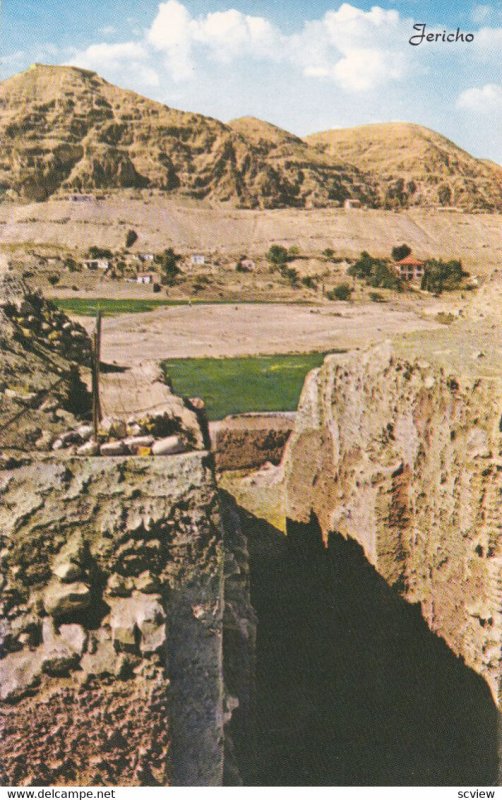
<point>112,622</point>
<point>404,458</point>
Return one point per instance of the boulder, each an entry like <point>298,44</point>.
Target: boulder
<point>18,673</point>
<point>63,599</point>
<point>60,652</point>
<point>168,446</point>
<point>114,449</point>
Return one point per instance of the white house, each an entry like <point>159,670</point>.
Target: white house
<point>147,277</point>
<point>96,263</point>
<point>351,203</point>
<point>197,260</point>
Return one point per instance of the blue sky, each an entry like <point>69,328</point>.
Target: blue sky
<point>305,66</point>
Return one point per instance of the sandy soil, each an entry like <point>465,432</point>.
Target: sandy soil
<point>228,330</point>
<point>162,222</point>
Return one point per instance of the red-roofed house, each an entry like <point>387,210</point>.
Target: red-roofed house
<point>410,269</point>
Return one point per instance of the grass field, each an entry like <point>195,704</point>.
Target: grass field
<point>87,307</point>
<point>236,385</point>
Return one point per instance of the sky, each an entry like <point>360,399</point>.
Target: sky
<point>305,66</point>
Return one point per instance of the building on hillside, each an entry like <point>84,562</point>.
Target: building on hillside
<point>351,203</point>
<point>81,198</point>
<point>410,269</point>
<point>197,260</point>
<point>96,263</point>
<point>247,264</point>
<point>146,256</point>
<point>147,277</point>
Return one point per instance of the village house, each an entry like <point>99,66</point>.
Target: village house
<point>81,198</point>
<point>410,269</point>
<point>146,256</point>
<point>147,277</point>
<point>350,203</point>
<point>96,263</point>
<point>247,265</point>
<point>197,260</point>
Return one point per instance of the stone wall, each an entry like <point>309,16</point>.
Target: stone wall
<point>111,622</point>
<point>247,441</point>
<point>405,459</point>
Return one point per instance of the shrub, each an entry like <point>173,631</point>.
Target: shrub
<point>340,292</point>
<point>131,237</point>
<point>309,282</point>
<point>328,253</point>
<point>291,275</point>
<point>99,252</point>
<point>277,255</point>
<point>400,252</point>
<point>294,250</point>
<point>53,279</point>
<point>376,297</point>
<point>240,267</point>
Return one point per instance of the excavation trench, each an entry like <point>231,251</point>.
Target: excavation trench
<point>350,685</point>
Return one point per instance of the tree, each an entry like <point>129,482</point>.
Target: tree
<point>375,272</point>
<point>53,279</point>
<point>400,252</point>
<point>442,275</point>
<point>168,263</point>
<point>131,237</point>
<point>328,253</point>
<point>277,254</point>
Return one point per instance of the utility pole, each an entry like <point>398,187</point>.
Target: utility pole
<point>96,358</point>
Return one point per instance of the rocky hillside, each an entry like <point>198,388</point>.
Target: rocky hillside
<point>65,129</point>
<point>40,384</point>
<point>415,166</point>
<point>403,457</point>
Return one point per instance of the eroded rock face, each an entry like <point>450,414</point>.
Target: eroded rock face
<point>405,459</point>
<point>103,563</point>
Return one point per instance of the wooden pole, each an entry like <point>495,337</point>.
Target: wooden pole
<point>96,358</point>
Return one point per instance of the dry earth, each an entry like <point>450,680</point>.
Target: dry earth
<point>188,226</point>
<point>228,330</point>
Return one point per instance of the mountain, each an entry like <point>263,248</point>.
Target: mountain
<point>64,128</point>
<point>415,166</point>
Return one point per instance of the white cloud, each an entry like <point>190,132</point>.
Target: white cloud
<point>485,100</point>
<point>118,60</point>
<point>359,50</point>
<point>486,15</point>
<point>108,30</point>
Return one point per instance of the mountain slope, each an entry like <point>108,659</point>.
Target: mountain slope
<point>415,166</point>
<point>65,128</point>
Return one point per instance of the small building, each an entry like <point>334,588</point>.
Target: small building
<point>197,260</point>
<point>81,198</point>
<point>147,277</point>
<point>146,256</point>
<point>96,263</point>
<point>410,269</point>
<point>247,265</point>
<point>350,203</point>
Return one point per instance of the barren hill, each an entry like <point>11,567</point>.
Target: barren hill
<point>415,166</point>
<point>64,128</point>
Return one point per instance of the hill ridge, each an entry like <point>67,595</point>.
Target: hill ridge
<point>66,129</point>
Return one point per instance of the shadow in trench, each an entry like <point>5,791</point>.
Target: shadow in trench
<point>352,687</point>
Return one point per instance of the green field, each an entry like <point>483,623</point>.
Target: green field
<point>236,385</point>
<point>87,307</point>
